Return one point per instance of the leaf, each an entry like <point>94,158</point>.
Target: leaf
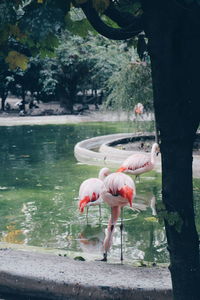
<point>16,59</point>
<point>80,2</point>
<point>79,258</point>
<point>100,5</point>
<point>80,28</point>
<point>151,219</point>
<point>15,31</point>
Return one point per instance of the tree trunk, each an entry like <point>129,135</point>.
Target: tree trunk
<point>65,100</point>
<point>174,42</point>
<point>3,100</point>
<point>72,87</point>
<point>23,102</point>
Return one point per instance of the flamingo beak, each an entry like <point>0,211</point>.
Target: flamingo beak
<point>83,203</point>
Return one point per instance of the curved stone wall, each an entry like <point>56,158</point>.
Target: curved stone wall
<point>100,151</point>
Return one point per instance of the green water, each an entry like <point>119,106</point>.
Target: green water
<point>39,183</point>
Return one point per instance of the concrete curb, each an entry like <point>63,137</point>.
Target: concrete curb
<point>48,276</point>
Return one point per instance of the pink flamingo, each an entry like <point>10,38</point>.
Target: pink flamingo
<point>119,192</point>
<point>139,163</point>
<point>139,109</point>
<point>90,191</point>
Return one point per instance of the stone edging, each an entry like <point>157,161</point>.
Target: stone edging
<point>47,276</point>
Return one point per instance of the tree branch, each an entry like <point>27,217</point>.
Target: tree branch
<point>122,19</point>
<point>135,27</point>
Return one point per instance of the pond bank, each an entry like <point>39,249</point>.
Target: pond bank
<point>89,116</point>
<point>48,276</point>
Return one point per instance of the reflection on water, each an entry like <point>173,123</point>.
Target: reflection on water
<point>39,182</point>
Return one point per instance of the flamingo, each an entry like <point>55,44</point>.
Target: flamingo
<point>90,191</point>
<point>138,109</point>
<point>119,192</point>
<point>139,163</point>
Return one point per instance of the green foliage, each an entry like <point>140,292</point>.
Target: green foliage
<point>7,13</point>
<point>77,24</point>
<point>48,79</point>
<point>107,56</point>
<point>32,23</point>
<point>130,84</point>
<point>80,258</point>
<point>27,79</point>
<point>6,80</point>
<point>188,2</point>
<point>68,72</point>
<point>16,59</point>
<point>100,5</point>
<point>41,20</point>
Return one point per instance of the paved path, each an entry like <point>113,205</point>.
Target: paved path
<point>93,116</point>
<point>54,277</point>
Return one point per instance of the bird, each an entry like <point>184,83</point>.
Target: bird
<point>139,163</point>
<point>90,191</point>
<point>119,192</point>
<point>139,109</point>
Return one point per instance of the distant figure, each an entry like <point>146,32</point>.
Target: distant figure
<point>7,106</point>
<point>33,104</point>
<point>138,109</point>
<point>22,113</point>
<point>21,106</point>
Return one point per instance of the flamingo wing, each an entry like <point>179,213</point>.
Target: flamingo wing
<point>120,189</point>
<point>136,164</point>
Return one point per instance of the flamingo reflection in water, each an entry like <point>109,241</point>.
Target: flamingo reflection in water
<point>91,238</point>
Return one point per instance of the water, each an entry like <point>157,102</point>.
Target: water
<point>17,297</point>
<point>39,182</point>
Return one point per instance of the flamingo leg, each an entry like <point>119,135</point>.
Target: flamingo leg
<point>121,233</point>
<point>137,177</point>
<point>100,212</point>
<point>87,209</point>
<point>111,229</point>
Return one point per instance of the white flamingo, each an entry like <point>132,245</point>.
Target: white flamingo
<point>90,191</point>
<point>119,192</point>
<point>139,163</point>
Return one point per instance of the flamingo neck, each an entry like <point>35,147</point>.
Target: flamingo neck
<point>103,173</point>
<point>153,152</point>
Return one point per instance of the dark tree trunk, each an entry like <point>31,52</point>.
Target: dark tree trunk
<point>65,99</point>
<point>23,102</point>
<point>174,43</point>
<point>72,87</point>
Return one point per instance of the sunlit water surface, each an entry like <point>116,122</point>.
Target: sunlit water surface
<point>39,183</point>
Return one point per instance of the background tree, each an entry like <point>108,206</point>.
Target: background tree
<point>74,64</point>
<point>49,79</point>
<point>6,80</point>
<point>130,84</point>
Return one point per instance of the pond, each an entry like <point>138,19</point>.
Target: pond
<point>39,183</point>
